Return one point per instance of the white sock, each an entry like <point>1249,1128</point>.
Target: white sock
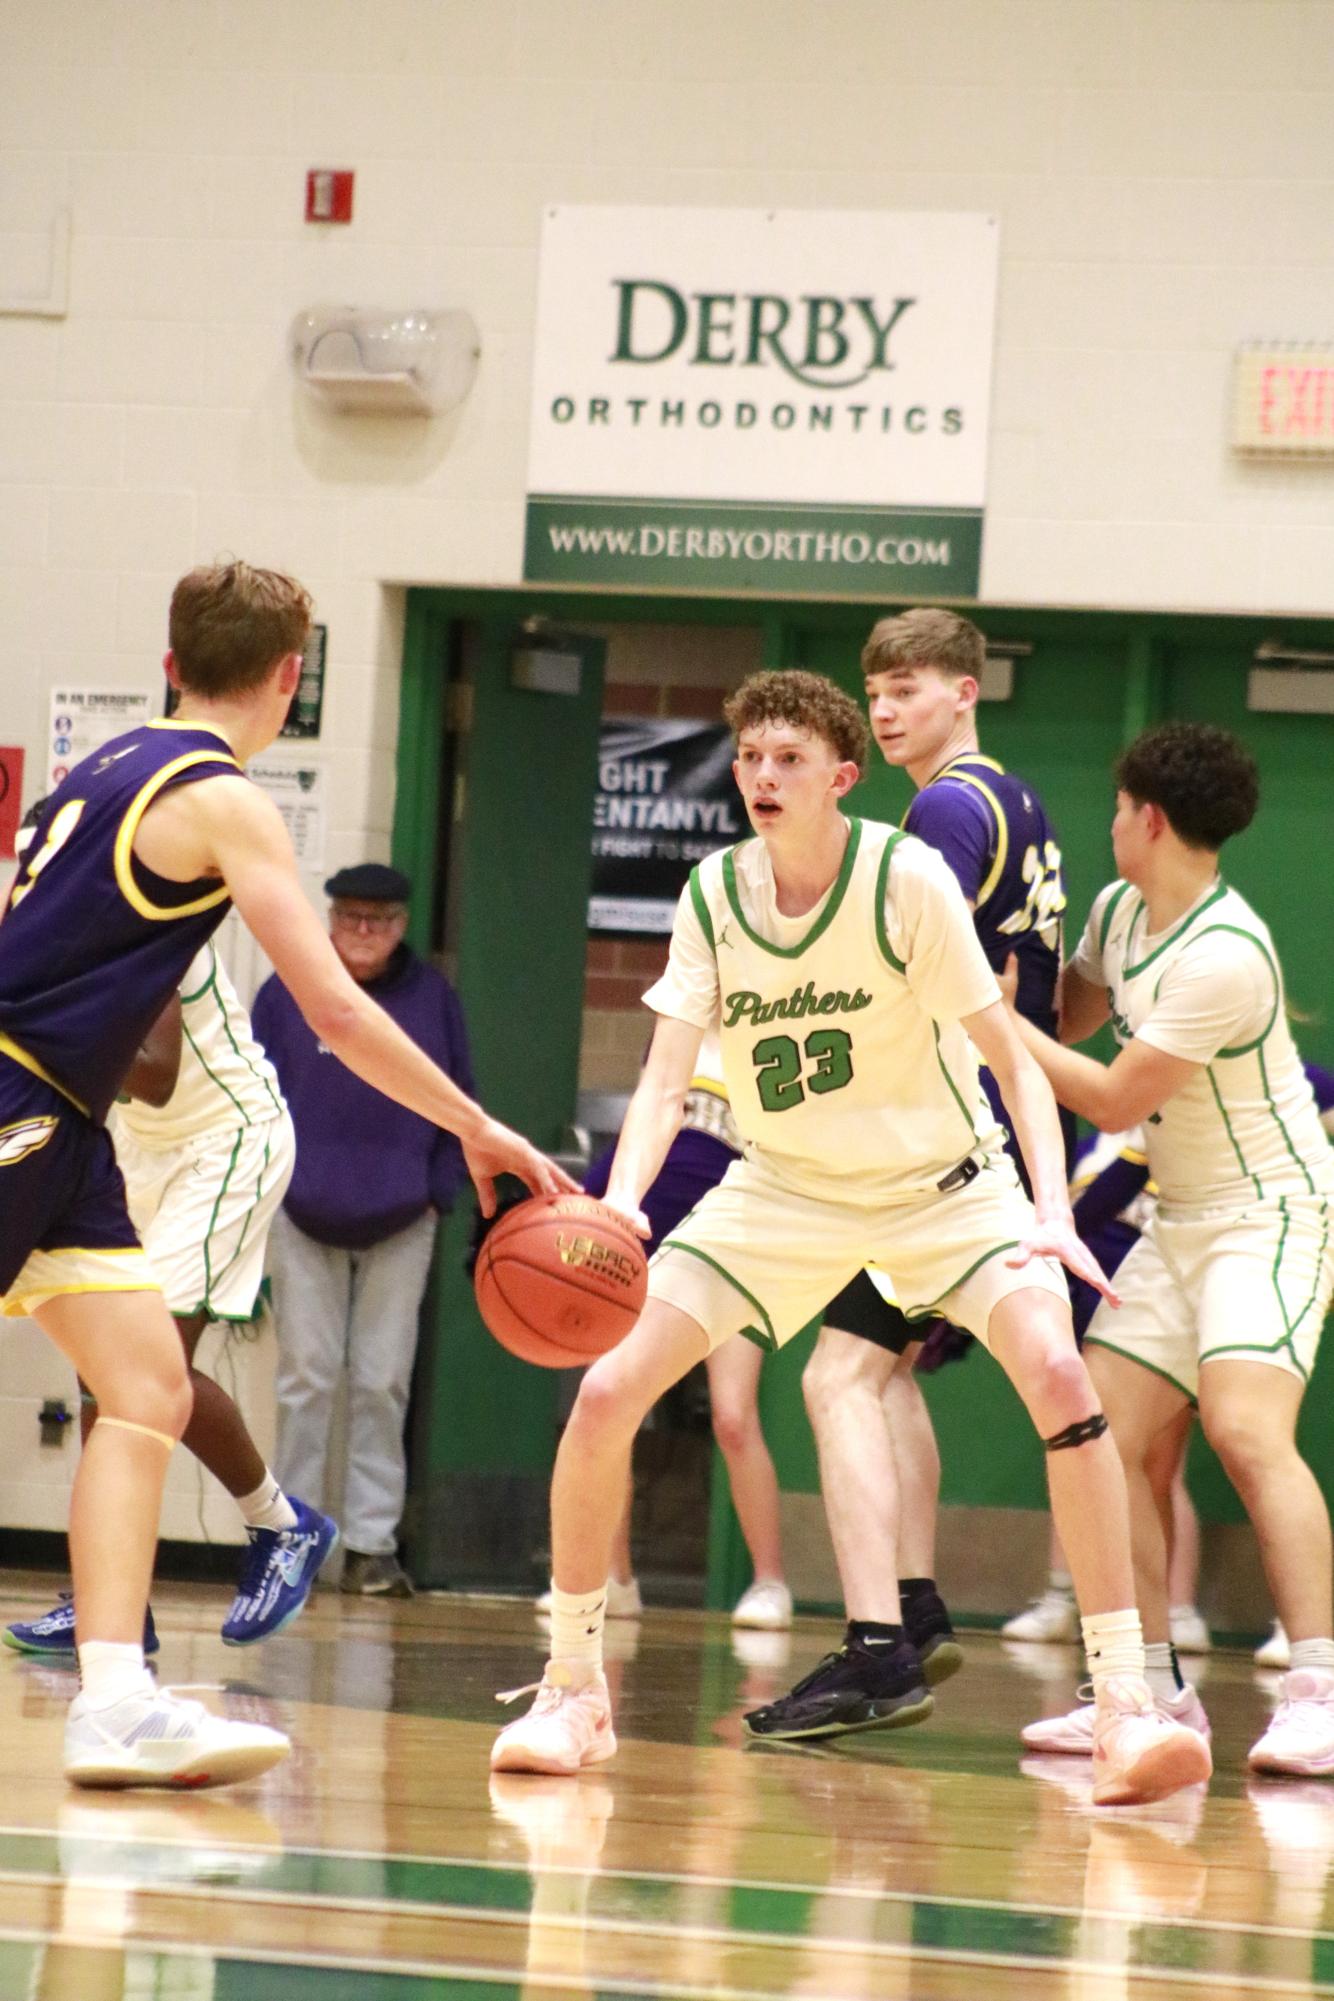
<point>1313,1654</point>
<point>1160,1669</point>
<point>268,1507</point>
<point>576,1630</point>
<point>110,1673</point>
<point>1061,1580</point>
<point>1114,1645</point>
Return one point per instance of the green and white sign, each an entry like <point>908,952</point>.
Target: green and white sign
<point>756,399</point>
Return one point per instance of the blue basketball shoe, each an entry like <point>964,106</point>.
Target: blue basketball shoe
<point>280,1568</point>
<point>54,1633</point>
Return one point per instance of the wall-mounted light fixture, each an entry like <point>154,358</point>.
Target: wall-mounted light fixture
<point>1290,680</point>
<point>356,358</point>
<point>997,683</point>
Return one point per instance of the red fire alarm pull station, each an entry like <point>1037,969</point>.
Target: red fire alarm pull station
<point>329,194</point>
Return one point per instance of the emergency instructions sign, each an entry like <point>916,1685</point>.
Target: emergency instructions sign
<point>82,719</point>
<point>762,399</point>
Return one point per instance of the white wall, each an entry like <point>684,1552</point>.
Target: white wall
<point>1162,169</point>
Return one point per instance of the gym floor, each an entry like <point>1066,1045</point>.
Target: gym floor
<point>381,1862</point>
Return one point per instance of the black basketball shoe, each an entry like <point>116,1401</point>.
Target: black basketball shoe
<point>858,1688</point>
<point>927,1624</point>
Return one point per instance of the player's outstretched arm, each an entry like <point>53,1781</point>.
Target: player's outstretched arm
<point>1032,1108</point>
<point>653,1116</point>
<point>242,836</point>
<point>1112,1096</point>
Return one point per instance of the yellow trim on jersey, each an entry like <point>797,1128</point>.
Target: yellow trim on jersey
<point>1002,832</point>
<point>711,1085</point>
<point>188,723</point>
<point>129,827</point>
<point>11,1049</point>
<point>18,1306</point>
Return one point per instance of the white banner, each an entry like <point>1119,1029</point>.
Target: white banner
<point>299,793</point>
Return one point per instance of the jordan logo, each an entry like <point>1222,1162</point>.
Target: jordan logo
<point>723,938</point>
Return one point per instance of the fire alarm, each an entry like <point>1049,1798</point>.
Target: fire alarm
<point>329,194</point>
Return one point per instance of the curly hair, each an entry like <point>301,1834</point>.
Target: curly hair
<point>1204,779</point>
<point>927,636</point>
<point>804,702</point>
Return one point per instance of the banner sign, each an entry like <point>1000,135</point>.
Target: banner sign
<point>751,399</point>
<point>665,799</point>
<point>299,792</point>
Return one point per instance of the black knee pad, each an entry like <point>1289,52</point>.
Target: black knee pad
<point>1077,1434</point>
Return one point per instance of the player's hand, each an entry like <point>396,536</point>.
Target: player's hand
<point>1008,981</point>
<point>497,1150</point>
<point>1059,1240</point>
<point>630,1209</point>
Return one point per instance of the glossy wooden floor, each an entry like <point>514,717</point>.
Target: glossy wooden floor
<point>381,1864</point>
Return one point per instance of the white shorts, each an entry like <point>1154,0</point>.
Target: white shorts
<point>203,1210</point>
<point>754,1257</point>
<point>1248,1286</point>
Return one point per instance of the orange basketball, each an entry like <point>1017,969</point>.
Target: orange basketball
<point>561,1279</point>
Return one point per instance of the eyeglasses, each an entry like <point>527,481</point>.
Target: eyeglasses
<point>365,920</point>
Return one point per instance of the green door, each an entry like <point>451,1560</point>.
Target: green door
<point>515,844</point>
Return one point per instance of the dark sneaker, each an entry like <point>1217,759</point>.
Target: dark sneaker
<point>280,1567</point>
<point>858,1688</point>
<point>927,1624</point>
<point>54,1633</point>
<point>367,1576</point>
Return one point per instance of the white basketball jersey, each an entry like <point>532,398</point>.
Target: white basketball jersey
<point>837,1071</point>
<point>1245,1127</point>
<point>225,1078</point>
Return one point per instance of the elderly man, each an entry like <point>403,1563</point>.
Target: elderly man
<point>351,1249</point>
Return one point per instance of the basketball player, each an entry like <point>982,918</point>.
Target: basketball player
<point>130,871</point>
<point>879,1467</point>
<point>205,1144</point>
<point>1225,1293</point>
<point>850,980</point>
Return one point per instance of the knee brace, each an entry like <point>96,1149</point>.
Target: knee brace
<point>1088,1428</point>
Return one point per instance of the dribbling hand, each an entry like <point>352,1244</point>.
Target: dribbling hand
<point>497,1150</point>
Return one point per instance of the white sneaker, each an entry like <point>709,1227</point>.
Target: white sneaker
<point>158,1740</point>
<point>766,1604</point>
<point>1300,1737</point>
<point>1187,1630</point>
<point>1072,1734</point>
<point>1053,1616</point>
<point>1276,1651</point>
<point>566,1728</point>
<point>623,1600</point>
<point>1139,1753</point>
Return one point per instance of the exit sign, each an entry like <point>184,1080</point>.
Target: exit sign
<point>1283,400</point>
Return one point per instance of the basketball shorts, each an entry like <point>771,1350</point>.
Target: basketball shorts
<point>1207,1285</point>
<point>756,1257</point>
<point>203,1210</point>
<point>64,1225</point>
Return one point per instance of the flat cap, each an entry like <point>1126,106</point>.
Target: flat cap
<point>370,882</point>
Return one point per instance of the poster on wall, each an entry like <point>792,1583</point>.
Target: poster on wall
<point>299,793</point>
<point>759,399</point>
<point>84,718</point>
<point>665,798</point>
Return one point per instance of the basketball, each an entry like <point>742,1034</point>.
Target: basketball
<point>561,1279</point>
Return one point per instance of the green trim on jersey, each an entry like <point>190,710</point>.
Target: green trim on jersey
<point>765,1339</point>
<point>1254,1179</point>
<point>1245,1048</point>
<point>1108,914</point>
<point>1096,1341</point>
<point>925,1312</point>
<point>881,887</point>
<point>1192,917</point>
<point>969,1121</point>
<point>701,903</point>
<point>217,1204</point>
<point>245,1062</point>
<point>199,992</point>
<point>1278,1121</point>
<point>827,915</point>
